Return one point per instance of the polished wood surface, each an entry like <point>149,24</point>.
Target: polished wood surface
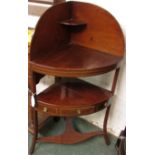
<point>49,33</point>
<point>74,60</point>
<point>72,40</point>
<point>76,51</point>
<point>74,137</point>
<point>72,97</point>
<point>39,76</point>
<point>102,33</point>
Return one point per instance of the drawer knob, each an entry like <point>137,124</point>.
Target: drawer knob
<point>78,111</point>
<point>45,109</point>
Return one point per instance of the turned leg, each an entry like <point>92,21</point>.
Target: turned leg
<point>35,135</point>
<point>106,137</point>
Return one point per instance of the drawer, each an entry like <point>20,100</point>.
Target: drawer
<point>68,111</point>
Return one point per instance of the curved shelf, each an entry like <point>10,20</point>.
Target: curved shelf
<point>73,23</point>
<point>74,61</point>
<point>72,97</point>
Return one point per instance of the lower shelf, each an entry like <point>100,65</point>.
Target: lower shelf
<point>71,136</point>
<point>72,97</point>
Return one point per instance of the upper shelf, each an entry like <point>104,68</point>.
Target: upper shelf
<point>73,22</point>
<point>75,39</point>
<point>74,61</point>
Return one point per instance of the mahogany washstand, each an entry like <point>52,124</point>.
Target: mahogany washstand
<point>73,40</point>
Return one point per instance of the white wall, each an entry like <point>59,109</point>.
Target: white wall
<point>117,118</point>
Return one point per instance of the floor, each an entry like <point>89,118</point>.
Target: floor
<point>94,146</point>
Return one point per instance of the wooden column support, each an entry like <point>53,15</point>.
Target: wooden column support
<point>115,80</point>
<point>109,106</point>
<point>42,119</point>
<point>35,135</point>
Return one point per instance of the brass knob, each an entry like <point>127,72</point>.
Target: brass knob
<point>45,109</point>
<point>78,111</point>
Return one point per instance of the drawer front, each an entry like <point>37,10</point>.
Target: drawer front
<point>71,111</point>
<point>77,111</point>
<point>46,109</point>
